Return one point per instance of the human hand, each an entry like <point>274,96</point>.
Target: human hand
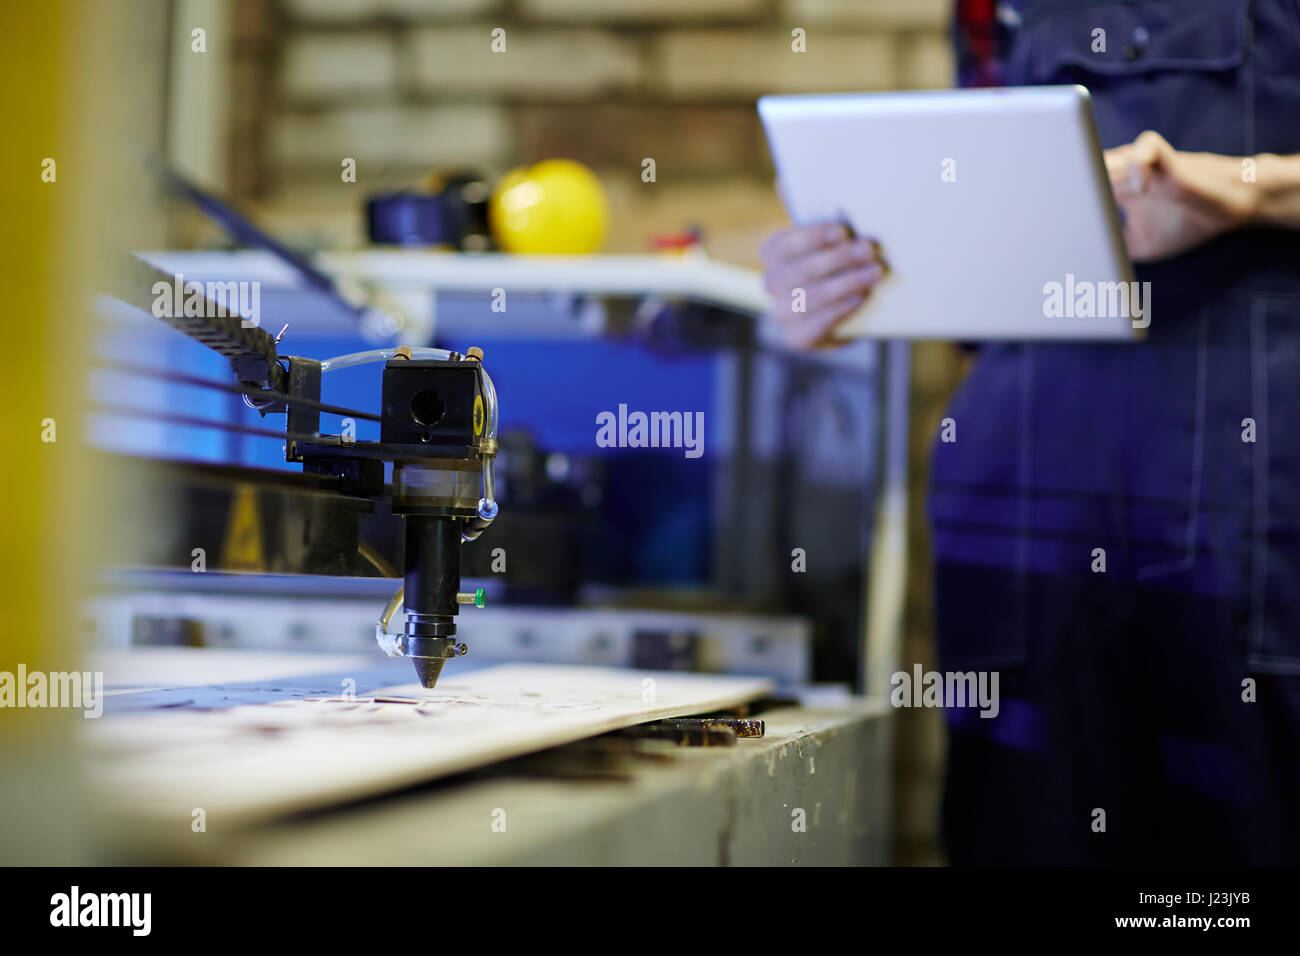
<point>818,275</point>
<point>1173,200</point>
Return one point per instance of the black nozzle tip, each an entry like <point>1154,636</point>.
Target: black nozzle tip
<point>427,669</point>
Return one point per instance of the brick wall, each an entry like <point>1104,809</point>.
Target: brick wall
<point>402,85</point>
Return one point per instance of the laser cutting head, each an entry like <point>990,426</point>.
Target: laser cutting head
<point>438,426</point>
<point>448,409</point>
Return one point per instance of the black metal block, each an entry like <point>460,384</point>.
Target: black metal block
<point>431,403</point>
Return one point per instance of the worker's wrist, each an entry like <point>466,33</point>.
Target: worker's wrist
<point>1276,186</point>
<point>1246,200</point>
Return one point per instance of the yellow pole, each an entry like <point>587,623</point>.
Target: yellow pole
<point>50,228</point>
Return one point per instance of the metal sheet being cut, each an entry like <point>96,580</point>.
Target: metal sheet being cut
<point>248,763</point>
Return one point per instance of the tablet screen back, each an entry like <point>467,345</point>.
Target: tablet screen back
<point>992,208</point>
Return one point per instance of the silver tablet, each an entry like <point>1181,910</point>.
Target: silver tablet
<point>992,206</point>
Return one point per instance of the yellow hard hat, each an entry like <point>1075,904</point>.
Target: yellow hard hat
<point>556,206</point>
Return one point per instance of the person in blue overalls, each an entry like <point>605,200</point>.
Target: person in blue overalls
<point>1150,711</point>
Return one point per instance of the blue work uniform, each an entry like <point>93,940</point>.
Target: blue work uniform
<point>1117,527</point>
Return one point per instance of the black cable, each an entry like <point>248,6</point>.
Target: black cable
<point>169,418</point>
<point>130,368</point>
